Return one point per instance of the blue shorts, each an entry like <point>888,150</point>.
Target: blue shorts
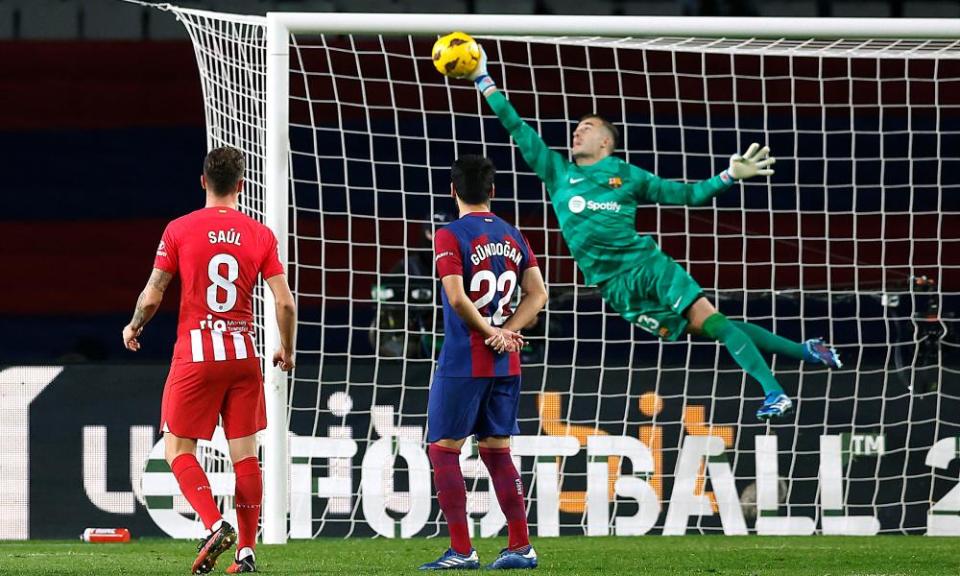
<point>461,406</point>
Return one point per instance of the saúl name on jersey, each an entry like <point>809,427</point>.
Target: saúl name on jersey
<point>230,236</point>
<point>484,251</point>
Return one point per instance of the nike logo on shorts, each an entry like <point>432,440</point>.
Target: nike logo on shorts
<point>576,180</point>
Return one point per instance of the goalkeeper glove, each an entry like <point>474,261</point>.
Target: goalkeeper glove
<point>755,161</point>
<point>479,75</point>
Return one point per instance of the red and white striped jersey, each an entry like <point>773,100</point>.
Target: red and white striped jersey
<point>218,253</point>
<point>206,345</point>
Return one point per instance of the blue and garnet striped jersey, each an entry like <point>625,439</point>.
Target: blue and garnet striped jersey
<point>492,256</point>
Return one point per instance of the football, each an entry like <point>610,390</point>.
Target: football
<point>456,54</point>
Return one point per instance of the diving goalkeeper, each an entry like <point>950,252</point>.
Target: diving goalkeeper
<point>595,198</point>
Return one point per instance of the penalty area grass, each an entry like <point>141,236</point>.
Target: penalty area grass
<point>573,555</point>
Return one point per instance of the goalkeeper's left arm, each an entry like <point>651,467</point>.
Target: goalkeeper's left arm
<point>755,161</point>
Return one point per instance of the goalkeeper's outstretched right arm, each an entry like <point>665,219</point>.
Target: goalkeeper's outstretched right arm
<point>548,164</point>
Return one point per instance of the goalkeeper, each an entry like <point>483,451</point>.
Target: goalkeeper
<point>595,198</point>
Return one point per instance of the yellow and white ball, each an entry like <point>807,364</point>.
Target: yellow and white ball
<point>456,55</point>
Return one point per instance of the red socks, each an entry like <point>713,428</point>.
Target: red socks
<point>196,488</point>
<point>247,497</point>
<point>249,491</point>
<point>509,488</point>
<point>452,495</point>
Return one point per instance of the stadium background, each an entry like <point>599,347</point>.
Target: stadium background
<point>101,138</point>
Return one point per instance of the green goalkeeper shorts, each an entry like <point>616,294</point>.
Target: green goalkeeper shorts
<point>655,295</point>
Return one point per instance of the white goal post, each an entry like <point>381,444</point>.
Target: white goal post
<point>267,131</point>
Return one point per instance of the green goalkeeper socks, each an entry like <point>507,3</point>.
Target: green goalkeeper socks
<point>769,342</point>
<point>743,350</point>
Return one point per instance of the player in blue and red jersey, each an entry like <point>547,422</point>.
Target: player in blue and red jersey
<point>476,388</point>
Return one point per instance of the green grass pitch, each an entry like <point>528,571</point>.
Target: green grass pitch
<point>646,555</point>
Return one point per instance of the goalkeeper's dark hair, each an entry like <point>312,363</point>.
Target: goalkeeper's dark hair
<point>223,168</point>
<point>472,178</point>
<point>614,133</point>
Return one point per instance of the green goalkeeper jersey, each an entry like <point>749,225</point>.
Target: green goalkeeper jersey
<point>596,205</point>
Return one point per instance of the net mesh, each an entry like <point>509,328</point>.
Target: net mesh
<point>854,239</point>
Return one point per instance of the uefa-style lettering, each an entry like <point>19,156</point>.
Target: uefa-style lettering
<point>152,484</point>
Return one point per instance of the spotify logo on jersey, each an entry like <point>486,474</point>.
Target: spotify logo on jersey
<point>577,204</point>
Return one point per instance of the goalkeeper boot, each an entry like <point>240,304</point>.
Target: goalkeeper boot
<point>211,547</point>
<point>451,560</point>
<point>775,405</point>
<point>524,558</point>
<point>816,351</point>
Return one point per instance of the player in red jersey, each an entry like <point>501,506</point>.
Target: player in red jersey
<point>218,252</point>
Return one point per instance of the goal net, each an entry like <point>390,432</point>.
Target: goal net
<point>856,239</point>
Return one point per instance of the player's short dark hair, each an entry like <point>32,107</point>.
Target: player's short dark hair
<point>614,133</point>
<point>223,168</point>
<point>472,178</point>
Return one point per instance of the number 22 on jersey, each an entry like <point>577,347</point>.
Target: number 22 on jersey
<point>505,284</point>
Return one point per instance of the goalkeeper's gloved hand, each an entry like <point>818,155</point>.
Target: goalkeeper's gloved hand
<point>755,161</point>
<point>479,75</point>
